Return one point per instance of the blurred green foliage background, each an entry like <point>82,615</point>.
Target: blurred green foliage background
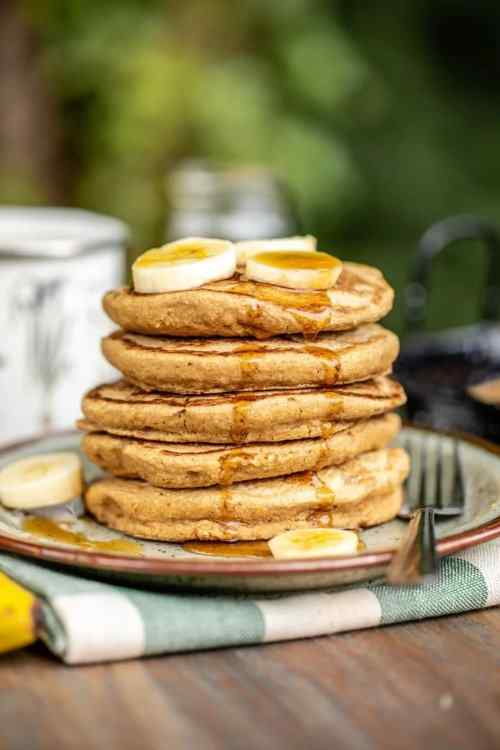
<point>381,117</point>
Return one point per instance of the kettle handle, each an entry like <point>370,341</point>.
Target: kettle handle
<point>436,239</point>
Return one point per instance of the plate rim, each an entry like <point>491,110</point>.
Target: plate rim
<point>245,568</point>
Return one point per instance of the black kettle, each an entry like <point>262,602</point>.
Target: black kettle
<point>444,372</point>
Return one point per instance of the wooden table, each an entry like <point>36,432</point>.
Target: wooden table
<point>435,684</point>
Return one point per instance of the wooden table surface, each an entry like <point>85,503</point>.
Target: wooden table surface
<point>434,684</point>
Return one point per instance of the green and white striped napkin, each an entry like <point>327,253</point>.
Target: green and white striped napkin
<point>87,621</point>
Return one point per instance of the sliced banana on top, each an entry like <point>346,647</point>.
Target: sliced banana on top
<point>246,249</point>
<point>40,481</point>
<point>184,264</point>
<point>298,269</point>
<point>314,543</point>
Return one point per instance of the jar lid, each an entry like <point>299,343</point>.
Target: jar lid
<point>39,232</point>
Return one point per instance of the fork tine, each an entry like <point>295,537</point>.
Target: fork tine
<point>439,477</point>
<point>412,482</point>
<point>454,501</point>
<point>423,498</point>
<point>458,492</point>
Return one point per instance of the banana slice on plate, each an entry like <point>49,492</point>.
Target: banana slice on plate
<point>246,249</point>
<point>184,264</point>
<point>40,481</point>
<point>297,270</point>
<point>314,543</point>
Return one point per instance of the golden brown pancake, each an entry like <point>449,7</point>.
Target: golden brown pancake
<point>366,491</point>
<point>222,365</point>
<point>259,416</point>
<point>371,512</point>
<point>236,307</point>
<point>199,465</point>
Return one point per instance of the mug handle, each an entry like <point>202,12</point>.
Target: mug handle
<point>436,239</point>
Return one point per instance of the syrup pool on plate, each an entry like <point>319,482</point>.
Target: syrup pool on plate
<point>48,529</point>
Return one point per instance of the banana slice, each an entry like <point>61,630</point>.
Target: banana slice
<point>40,481</point>
<point>314,543</point>
<point>248,248</point>
<point>298,270</point>
<point>184,264</point>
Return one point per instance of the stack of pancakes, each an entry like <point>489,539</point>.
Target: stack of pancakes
<point>247,410</point>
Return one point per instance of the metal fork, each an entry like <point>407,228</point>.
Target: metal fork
<point>417,554</point>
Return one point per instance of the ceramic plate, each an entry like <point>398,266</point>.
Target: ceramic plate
<point>164,565</point>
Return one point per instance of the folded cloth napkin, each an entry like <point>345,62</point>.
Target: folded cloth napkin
<point>85,621</point>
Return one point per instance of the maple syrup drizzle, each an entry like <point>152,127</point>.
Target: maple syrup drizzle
<point>238,549</point>
<point>254,314</point>
<point>304,477</point>
<point>248,358</point>
<point>183,253</point>
<point>314,301</point>
<point>239,429</point>
<point>324,457</point>
<point>326,498</point>
<point>336,403</point>
<point>48,529</point>
<point>309,309</point>
<point>241,406</point>
<point>327,430</point>
<point>329,361</point>
<point>226,496</point>
<point>324,495</point>
<point>230,462</point>
<point>229,549</point>
<point>311,324</point>
<point>297,260</point>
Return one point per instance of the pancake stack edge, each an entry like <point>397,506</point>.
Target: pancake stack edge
<point>215,434</point>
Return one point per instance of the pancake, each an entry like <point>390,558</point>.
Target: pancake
<point>366,492</point>
<point>258,416</point>
<point>368,513</point>
<point>237,307</point>
<point>196,465</point>
<point>222,365</point>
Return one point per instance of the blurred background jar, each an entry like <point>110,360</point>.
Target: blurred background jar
<point>55,265</point>
<point>210,200</point>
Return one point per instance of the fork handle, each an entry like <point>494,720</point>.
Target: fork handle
<point>417,555</point>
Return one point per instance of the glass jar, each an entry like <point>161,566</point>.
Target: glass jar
<point>244,203</point>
